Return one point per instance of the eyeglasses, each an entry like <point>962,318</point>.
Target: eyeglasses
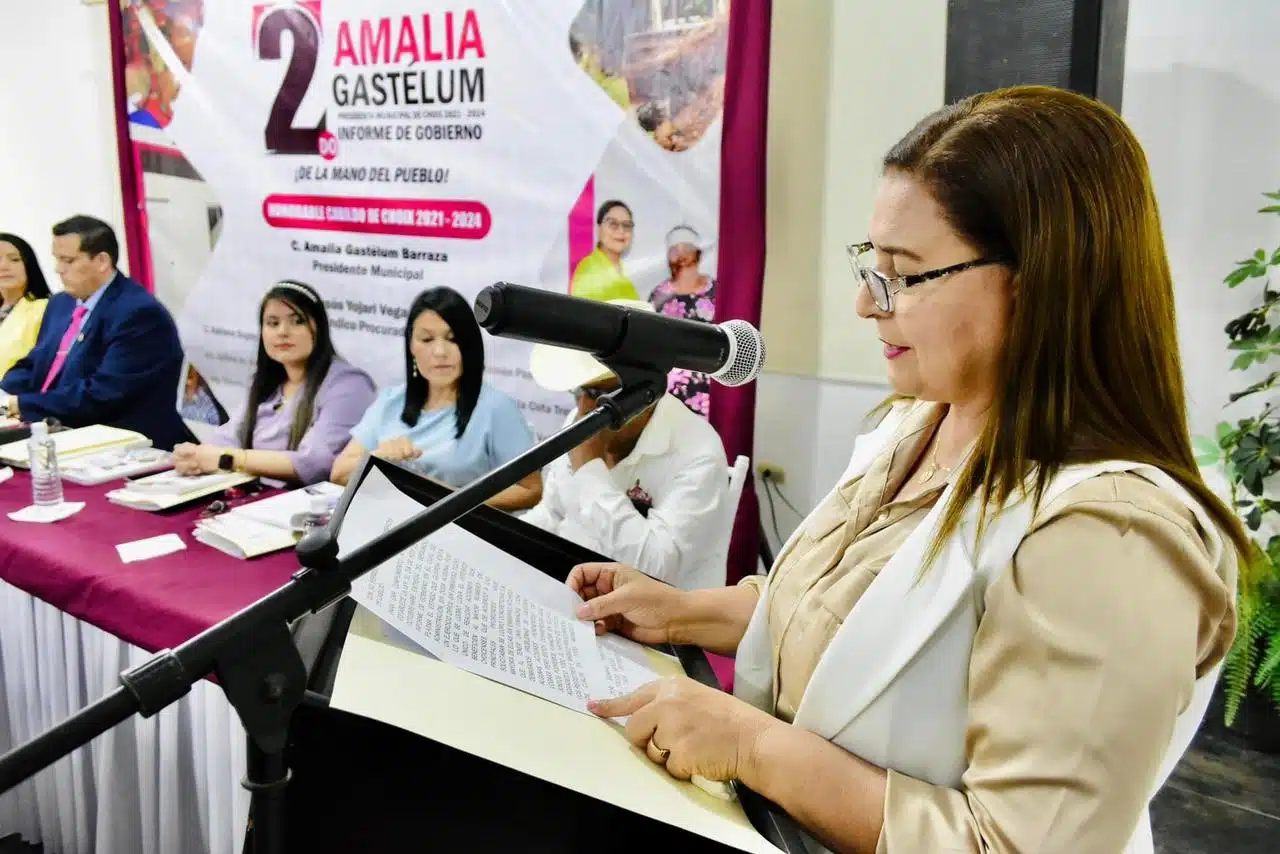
<point>591,393</point>
<point>883,287</point>
<point>618,225</point>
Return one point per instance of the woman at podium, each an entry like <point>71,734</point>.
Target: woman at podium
<point>302,401</point>
<point>444,421</point>
<point>1002,628</point>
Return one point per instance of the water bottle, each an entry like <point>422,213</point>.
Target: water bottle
<point>46,483</point>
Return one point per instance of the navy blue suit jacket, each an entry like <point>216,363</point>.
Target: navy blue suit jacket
<point>122,370</point>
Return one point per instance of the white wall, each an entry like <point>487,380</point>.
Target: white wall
<point>58,148</point>
<point>807,426</point>
<point>1202,92</point>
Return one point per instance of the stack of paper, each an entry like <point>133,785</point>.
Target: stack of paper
<point>115,464</point>
<point>75,443</point>
<point>242,537</point>
<point>265,526</point>
<point>170,489</point>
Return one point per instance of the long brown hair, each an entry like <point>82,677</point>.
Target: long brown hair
<point>1058,184</point>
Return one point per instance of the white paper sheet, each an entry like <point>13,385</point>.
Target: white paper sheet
<point>472,605</point>
<point>47,513</point>
<point>150,547</point>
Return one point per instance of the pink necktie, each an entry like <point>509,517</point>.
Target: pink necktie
<point>68,338</point>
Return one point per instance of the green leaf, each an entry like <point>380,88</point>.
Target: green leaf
<point>1270,209</point>
<point>1207,451</point>
<point>1275,195</point>
<point>1260,255</point>
<point>1224,429</point>
<point>1242,362</point>
<point>1237,276</point>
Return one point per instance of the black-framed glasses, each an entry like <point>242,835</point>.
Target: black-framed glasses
<point>882,287</point>
<point>591,393</point>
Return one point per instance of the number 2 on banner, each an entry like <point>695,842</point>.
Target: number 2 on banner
<point>281,136</point>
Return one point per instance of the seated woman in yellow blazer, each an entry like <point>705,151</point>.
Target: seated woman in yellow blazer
<point>1002,628</point>
<point>599,276</point>
<point>25,294</point>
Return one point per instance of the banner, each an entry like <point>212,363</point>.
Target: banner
<point>376,148</point>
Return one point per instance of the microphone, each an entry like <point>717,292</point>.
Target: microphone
<point>732,353</point>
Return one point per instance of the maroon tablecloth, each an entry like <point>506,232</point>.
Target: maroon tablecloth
<point>153,604</point>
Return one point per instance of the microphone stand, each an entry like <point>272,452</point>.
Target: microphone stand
<point>253,653</point>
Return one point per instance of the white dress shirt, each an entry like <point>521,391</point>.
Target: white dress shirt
<point>679,470</point>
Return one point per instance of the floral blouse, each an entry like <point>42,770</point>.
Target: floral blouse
<point>693,389</point>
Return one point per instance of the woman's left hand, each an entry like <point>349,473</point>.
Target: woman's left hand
<point>189,459</point>
<point>690,728</point>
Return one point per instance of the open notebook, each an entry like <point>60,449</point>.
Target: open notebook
<point>169,489</point>
<point>264,526</point>
<point>77,442</point>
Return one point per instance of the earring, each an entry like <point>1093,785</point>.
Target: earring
<point>415,370</point>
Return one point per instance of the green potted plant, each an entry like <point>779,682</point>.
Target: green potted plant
<point>1248,452</point>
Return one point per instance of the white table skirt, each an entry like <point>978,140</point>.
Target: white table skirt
<point>164,785</point>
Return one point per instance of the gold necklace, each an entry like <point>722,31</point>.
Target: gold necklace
<point>933,467</point>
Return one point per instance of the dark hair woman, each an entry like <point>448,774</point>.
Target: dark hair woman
<point>25,295</point>
<point>302,401</point>
<point>443,420</point>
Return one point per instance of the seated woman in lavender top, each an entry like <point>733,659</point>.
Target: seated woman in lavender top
<point>302,402</point>
<point>444,421</point>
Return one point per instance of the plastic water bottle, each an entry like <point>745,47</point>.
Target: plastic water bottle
<point>46,483</point>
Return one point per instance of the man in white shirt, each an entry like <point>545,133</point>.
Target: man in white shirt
<point>651,494</point>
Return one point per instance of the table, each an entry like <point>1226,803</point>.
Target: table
<point>72,617</point>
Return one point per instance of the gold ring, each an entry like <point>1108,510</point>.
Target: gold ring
<point>658,754</point>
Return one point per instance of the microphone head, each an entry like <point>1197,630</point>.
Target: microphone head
<point>746,354</point>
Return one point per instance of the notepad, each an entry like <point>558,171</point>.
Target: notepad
<point>242,537</point>
<point>72,443</point>
<point>115,464</point>
<point>170,489</point>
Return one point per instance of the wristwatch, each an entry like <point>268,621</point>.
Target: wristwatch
<point>226,462</point>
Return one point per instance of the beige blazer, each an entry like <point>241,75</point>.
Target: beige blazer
<point>1029,695</point>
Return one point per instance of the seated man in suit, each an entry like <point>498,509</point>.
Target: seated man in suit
<point>108,351</point>
<point>651,494</point>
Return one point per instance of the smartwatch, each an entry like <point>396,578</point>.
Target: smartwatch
<point>226,462</point>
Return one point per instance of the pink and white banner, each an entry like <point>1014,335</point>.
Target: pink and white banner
<point>375,148</point>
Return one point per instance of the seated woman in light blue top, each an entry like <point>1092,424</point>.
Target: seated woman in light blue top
<point>443,421</point>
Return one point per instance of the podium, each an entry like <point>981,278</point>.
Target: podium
<point>362,785</point>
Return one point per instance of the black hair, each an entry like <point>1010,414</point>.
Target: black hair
<point>610,204</point>
<point>457,313</point>
<point>95,236</point>
<point>37,287</point>
<point>269,375</point>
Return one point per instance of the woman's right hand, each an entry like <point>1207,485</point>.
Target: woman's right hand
<point>397,450</point>
<point>623,600</point>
